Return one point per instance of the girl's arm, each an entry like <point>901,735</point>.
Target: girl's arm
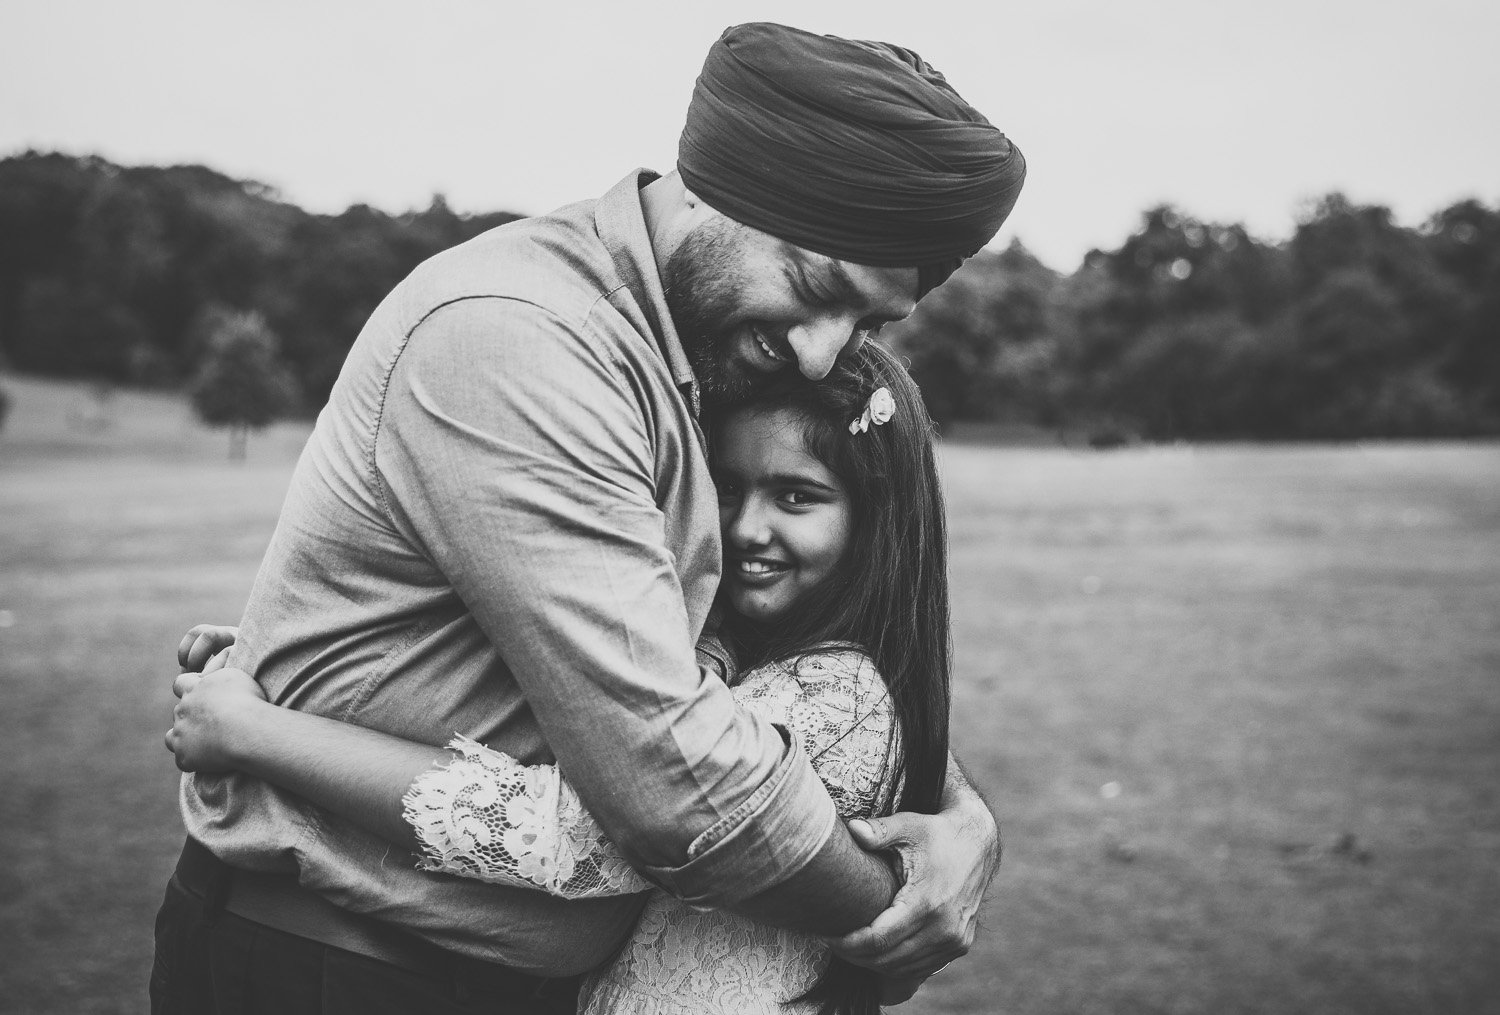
<point>223,723</point>
<point>478,813</point>
<point>467,810</point>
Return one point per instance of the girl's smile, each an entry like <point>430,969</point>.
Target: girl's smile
<point>785,517</point>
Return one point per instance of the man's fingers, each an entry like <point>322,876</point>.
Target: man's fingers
<point>185,682</point>
<point>876,834</point>
<point>910,977</point>
<point>916,960</point>
<point>915,957</point>
<point>918,955</point>
<point>892,927</point>
<point>907,940</point>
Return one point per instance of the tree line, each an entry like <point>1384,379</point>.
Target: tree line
<point>1356,326</point>
<point>127,273</point>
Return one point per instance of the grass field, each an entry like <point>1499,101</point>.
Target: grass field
<point>1238,707</point>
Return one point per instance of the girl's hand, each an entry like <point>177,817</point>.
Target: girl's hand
<point>209,721</point>
<point>202,644</point>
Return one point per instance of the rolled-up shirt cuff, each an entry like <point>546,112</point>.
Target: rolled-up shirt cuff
<point>771,836</point>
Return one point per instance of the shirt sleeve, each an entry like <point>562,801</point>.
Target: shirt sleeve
<point>518,452</point>
<point>485,815</point>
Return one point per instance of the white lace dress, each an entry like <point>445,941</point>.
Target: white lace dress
<point>487,816</point>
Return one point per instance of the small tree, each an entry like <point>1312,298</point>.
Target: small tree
<point>241,382</point>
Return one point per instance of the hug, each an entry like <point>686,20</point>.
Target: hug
<point>600,659</point>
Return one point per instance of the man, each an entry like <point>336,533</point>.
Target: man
<point>503,525</point>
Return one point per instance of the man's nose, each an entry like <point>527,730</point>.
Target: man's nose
<point>819,343</point>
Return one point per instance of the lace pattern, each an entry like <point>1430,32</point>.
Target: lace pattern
<point>487,816</point>
<point>836,705</point>
<point>684,961</point>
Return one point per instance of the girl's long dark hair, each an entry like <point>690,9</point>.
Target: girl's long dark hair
<point>889,594</point>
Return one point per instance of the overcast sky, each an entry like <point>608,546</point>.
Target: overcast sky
<point>1233,111</point>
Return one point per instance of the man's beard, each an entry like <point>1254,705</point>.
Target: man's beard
<point>700,282</point>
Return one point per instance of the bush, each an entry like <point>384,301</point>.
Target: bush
<point>242,383</point>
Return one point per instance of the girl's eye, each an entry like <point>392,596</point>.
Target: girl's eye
<point>797,498</point>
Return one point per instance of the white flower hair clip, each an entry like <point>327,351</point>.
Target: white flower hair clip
<point>879,409</point>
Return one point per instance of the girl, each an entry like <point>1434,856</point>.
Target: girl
<point>835,604</point>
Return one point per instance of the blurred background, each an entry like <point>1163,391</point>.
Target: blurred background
<point>1219,408</point>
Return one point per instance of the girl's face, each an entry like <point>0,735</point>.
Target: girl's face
<point>786,519</point>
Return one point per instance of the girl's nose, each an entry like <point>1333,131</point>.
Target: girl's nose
<point>749,528</point>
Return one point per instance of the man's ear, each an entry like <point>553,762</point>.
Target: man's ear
<point>693,211</point>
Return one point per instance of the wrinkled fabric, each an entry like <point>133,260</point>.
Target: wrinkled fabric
<point>504,526</point>
<point>858,150</point>
<point>489,817</point>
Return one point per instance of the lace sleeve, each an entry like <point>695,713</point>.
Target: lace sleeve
<point>836,704</point>
<point>486,816</point>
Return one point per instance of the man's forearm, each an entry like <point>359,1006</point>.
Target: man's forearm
<point>949,860</point>
<point>845,887</point>
<point>840,889</point>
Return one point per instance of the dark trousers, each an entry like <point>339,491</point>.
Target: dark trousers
<point>212,962</point>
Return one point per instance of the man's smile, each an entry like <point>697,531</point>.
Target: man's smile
<point>768,350</point>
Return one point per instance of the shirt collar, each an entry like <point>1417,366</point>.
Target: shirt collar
<point>621,223</point>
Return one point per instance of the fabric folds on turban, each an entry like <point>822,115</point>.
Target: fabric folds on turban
<point>857,150</point>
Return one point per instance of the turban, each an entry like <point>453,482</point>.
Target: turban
<point>857,150</point>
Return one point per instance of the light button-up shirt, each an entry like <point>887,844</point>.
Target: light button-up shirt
<point>503,526</point>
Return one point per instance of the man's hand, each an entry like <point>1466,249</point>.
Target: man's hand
<point>205,721</point>
<point>948,860</point>
<point>203,644</point>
